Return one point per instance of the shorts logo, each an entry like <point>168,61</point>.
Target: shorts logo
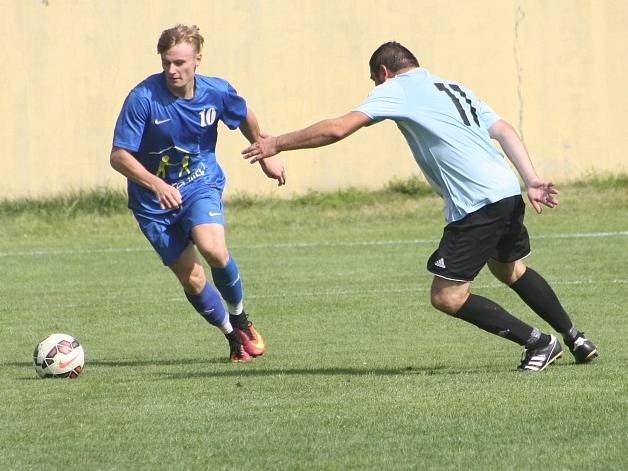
<point>161,121</point>
<point>212,214</point>
<point>440,263</point>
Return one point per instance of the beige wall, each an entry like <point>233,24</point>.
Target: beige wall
<point>555,68</point>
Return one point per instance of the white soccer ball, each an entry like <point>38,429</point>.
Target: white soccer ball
<point>59,355</point>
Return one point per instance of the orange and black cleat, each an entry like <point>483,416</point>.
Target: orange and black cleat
<point>237,352</point>
<point>251,339</point>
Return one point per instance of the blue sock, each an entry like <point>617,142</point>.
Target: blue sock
<point>209,305</point>
<point>227,281</point>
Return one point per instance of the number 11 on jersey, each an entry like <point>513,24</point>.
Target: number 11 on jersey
<point>458,105</point>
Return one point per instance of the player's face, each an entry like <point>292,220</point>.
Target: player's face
<point>179,64</point>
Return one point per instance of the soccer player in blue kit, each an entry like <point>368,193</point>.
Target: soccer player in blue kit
<point>449,131</point>
<point>164,143</point>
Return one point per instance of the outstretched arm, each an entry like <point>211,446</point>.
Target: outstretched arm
<point>539,191</point>
<point>319,134</point>
<point>249,126</point>
<point>272,168</point>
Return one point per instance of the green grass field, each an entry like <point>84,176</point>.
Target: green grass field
<point>361,372</point>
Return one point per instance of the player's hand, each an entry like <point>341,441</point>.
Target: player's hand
<point>264,147</point>
<point>168,196</point>
<point>542,193</point>
<point>273,168</point>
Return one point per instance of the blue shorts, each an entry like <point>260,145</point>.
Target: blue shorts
<point>170,234</point>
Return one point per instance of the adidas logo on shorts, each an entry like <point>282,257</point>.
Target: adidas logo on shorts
<point>440,263</point>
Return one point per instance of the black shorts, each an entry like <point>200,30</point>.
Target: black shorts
<point>494,231</point>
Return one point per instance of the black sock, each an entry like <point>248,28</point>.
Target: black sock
<point>537,339</point>
<point>240,320</point>
<point>571,336</point>
<point>232,337</point>
<point>540,296</point>
<point>491,317</point>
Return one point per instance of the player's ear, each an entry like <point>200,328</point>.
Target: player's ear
<point>386,73</point>
<point>199,56</point>
<point>382,73</point>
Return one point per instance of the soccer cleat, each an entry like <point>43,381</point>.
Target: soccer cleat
<point>251,339</point>
<point>537,359</point>
<point>581,348</point>
<point>239,355</point>
<point>237,352</point>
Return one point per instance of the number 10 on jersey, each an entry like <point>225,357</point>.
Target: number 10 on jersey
<point>208,117</point>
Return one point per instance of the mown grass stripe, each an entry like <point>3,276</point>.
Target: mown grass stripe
<point>297,245</point>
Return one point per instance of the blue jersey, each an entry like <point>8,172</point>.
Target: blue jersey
<point>175,138</point>
<point>446,127</point>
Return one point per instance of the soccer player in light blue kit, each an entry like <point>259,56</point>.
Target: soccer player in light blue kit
<point>449,131</point>
<point>164,143</point>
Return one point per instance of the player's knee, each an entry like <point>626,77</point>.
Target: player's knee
<point>220,260</point>
<point>447,303</point>
<point>507,273</point>
<point>193,281</point>
<point>216,257</point>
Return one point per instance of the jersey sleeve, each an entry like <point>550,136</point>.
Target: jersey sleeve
<point>234,110</point>
<point>131,122</point>
<point>487,115</point>
<point>383,102</point>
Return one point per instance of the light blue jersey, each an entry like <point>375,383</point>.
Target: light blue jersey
<point>446,127</point>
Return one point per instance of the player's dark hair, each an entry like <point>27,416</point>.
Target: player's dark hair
<point>394,56</point>
<point>178,34</point>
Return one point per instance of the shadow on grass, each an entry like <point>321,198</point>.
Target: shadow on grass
<point>132,363</point>
<point>259,370</point>
<point>242,371</point>
<point>252,369</point>
<point>245,370</point>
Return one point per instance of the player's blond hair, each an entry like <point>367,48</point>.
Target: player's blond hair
<point>178,34</point>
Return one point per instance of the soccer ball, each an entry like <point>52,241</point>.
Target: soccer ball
<point>60,356</point>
